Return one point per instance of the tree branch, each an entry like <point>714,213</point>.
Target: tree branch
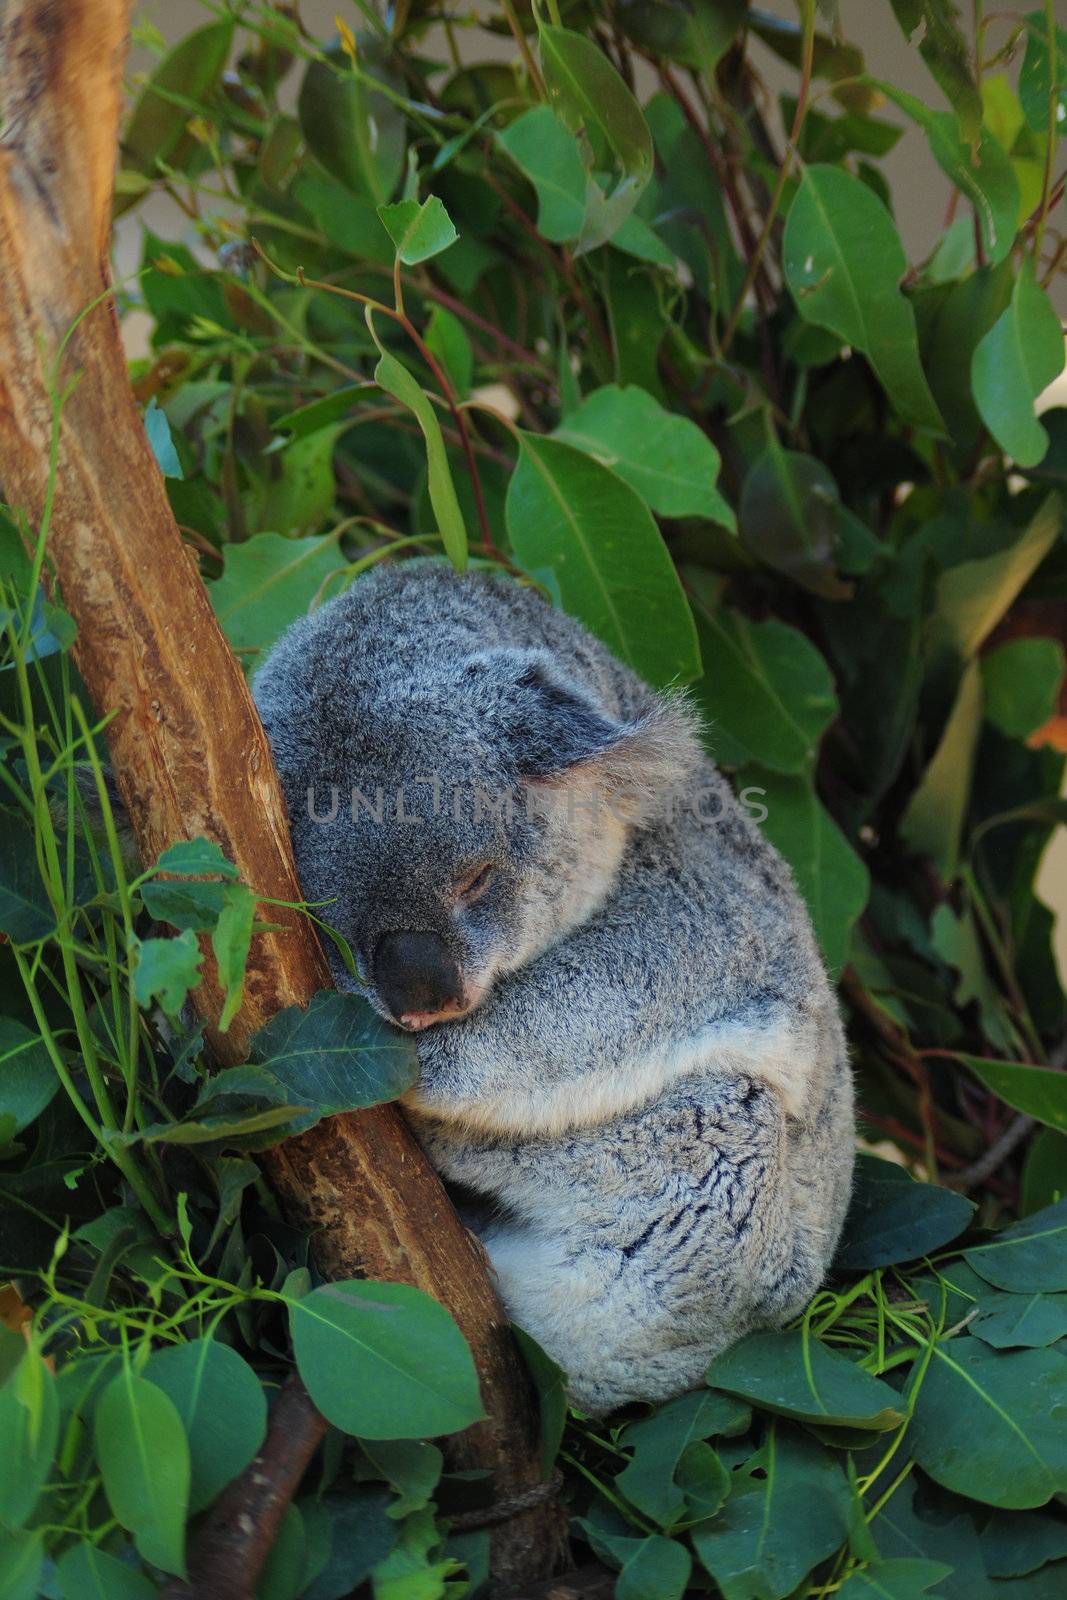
<point>188,749</point>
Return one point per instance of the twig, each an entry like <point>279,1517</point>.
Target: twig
<point>235,1537</point>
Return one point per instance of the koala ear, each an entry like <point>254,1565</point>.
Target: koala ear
<point>558,731</point>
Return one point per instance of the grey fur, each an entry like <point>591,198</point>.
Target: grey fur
<point>653,1094</point>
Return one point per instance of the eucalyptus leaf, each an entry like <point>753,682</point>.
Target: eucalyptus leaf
<point>419,232</point>
<point>843,262</point>
<point>1017,359</point>
<point>988,1423</point>
<point>566,511</point>
<point>666,458</point>
<point>354,130</point>
<point>832,878</point>
<point>143,1455</point>
<point>269,582</point>
<point>29,1428</point>
<point>803,1378</point>
<point>591,98</point>
<point>222,1408</point>
<point>892,1218</point>
<point>336,1054</point>
<point>396,380</point>
<point>383,1360</point>
<point>1027,1256</point>
<point>547,153</point>
<point>779,1524</point>
<point>1039,1091</point>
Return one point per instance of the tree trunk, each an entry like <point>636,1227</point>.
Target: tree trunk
<point>188,749</point>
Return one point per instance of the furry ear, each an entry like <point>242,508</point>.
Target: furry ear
<point>558,732</point>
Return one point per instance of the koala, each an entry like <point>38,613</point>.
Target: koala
<point>632,1069</point>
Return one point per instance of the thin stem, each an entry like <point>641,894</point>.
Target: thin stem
<point>533,71</point>
<point>1050,138</point>
<point>756,258</point>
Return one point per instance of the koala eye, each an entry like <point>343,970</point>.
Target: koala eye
<point>470,887</point>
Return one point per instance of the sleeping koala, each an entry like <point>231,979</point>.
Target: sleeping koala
<point>630,1056</point>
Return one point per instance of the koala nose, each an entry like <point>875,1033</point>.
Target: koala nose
<point>416,976</point>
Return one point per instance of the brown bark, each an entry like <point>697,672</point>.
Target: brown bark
<point>189,752</point>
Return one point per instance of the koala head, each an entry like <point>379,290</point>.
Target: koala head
<point>462,818</point>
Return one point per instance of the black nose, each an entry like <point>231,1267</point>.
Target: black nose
<point>414,973</point>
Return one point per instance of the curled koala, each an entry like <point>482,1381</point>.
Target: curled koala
<point>632,1062</point>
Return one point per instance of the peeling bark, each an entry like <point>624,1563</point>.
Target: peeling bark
<point>188,749</point>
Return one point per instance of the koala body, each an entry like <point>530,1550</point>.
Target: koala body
<point>632,1064</point>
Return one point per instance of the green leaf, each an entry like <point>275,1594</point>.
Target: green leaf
<point>1022,681</point>
<point>972,596</point>
<point>1015,1543</point>
<point>943,46</point>
<point>231,1107</point>
<point>384,1361</point>
<point>1044,1172</point>
<point>791,518</point>
<point>412,1467</point>
<point>157,428</point>
<point>988,1423</point>
<point>776,1527</point>
<point>269,582</point>
<point>1043,75</point>
<point>658,1570</point>
<point>671,462</point>
<point>695,32</point>
<point>830,875</point>
<point>397,381</point>
<point>418,231</point>
<point>143,1455</point>
<point>446,338</point>
<point>660,1441</point>
<point>282,1575</point>
<point>567,513</point>
<point>1020,1321</point>
<point>843,261</point>
<point>25,911</point>
<point>356,132</point>
<point>337,1055</point>
<point>230,942</point>
<point>190,858</point>
<point>21,1562</point>
<point>550,1382</point>
<point>222,1408</point>
<point>1039,1091</point>
<point>165,969</point>
<point>933,819</point>
<point>902,1579</point>
<point>986,176</point>
<point>318,414</point>
<point>592,99</point>
<point>547,153</point>
<point>892,1218</point>
<point>1017,359</point>
<point>765,686</point>
<point>299,496</point>
<point>157,129</point>
<point>29,1429</point>
<point>196,905</point>
<point>900,1533</point>
<point>362,1535</point>
<point>85,1572</point>
<point>28,1079</point>
<point>805,1379</point>
<point>1030,1255</point>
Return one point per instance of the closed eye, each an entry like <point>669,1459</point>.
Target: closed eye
<point>475,883</point>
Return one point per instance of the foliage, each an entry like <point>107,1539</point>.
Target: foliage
<point>575,299</point>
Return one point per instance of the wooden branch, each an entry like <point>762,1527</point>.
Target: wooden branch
<point>189,752</point>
